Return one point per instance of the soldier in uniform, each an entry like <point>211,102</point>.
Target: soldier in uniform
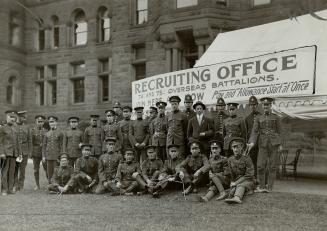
<point>177,125</point>
<point>23,140</point>
<point>249,121</point>
<point>219,120</point>
<point>188,103</point>
<point>139,134</point>
<point>85,177</point>
<point>61,179</point>
<point>234,126</point>
<point>168,177</point>
<point>124,128</point>
<point>218,173</point>
<point>241,172</point>
<point>267,130</point>
<point>158,131</point>
<point>36,143</point>
<point>52,146</point>
<point>151,168</point>
<point>153,114</point>
<point>126,174</point>
<point>200,127</point>
<point>107,169</point>
<point>111,129</point>
<point>9,151</point>
<point>73,138</point>
<point>94,135</point>
<point>118,112</point>
<point>192,169</point>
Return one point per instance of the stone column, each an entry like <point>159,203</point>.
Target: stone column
<point>168,59</point>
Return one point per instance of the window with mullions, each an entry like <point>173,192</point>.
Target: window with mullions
<point>80,28</point>
<point>186,3</point>
<point>55,31</point>
<point>104,25</point>
<point>78,90</point>
<point>141,11</point>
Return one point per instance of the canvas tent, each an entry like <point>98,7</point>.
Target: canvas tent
<point>274,37</point>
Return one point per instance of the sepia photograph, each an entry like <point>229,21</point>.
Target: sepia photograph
<point>163,115</point>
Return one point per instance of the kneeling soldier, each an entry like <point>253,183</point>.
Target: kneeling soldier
<point>127,172</point>
<point>192,169</point>
<point>241,170</point>
<point>218,173</point>
<point>108,165</point>
<point>60,181</point>
<point>169,176</point>
<point>151,168</point>
<point>86,171</point>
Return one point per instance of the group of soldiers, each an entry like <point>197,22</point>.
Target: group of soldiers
<point>230,155</point>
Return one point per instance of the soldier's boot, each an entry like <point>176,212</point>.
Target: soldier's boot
<point>210,194</point>
<point>238,195</point>
<point>220,188</point>
<point>131,188</point>
<point>143,185</point>
<point>37,181</point>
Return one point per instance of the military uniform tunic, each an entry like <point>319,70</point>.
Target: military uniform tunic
<point>72,140</point>
<point>158,135</point>
<point>139,133</point>
<point>61,177</point>
<point>241,169</point>
<point>151,168</point>
<point>52,144</point>
<point>108,164</point>
<point>23,134</point>
<point>124,130</point>
<point>113,130</point>
<point>219,125</point>
<point>94,135</point>
<point>36,139</point>
<point>233,127</point>
<point>125,173</point>
<point>219,168</point>
<point>189,114</point>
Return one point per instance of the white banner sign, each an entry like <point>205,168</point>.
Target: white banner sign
<point>285,73</point>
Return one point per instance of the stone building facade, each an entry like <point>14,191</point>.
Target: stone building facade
<point>79,56</point>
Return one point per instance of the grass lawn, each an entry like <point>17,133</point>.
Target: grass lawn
<point>30,210</point>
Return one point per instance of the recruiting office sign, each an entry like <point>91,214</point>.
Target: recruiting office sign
<point>284,73</point>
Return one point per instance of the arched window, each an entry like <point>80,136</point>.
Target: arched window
<point>55,31</point>
<point>16,29</point>
<point>80,28</point>
<point>41,36</point>
<point>104,24</point>
<point>10,90</point>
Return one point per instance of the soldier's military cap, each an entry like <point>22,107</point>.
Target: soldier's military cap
<point>188,99</point>
<point>110,111</point>
<point>51,118</point>
<point>199,103</point>
<point>117,104</point>
<point>94,116</point>
<point>73,118</point>
<point>128,108</point>
<point>161,104</point>
<point>266,100</point>
<point>86,145</point>
<point>174,98</point>
<point>63,156</point>
<point>173,146</point>
<point>129,150</point>
<point>232,105</point>
<point>194,141</point>
<point>216,143</point>
<point>153,109</point>
<point>150,147</point>
<point>40,116</point>
<point>220,102</point>
<point>235,139</point>
<point>21,112</point>
<point>110,138</point>
<point>138,108</point>
<point>11,112</point>
<point>253,100</point>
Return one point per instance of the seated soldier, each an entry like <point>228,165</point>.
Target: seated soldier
<point>107,168</point>
<point>241,170</point>
<point>168,175</point>
<point>193,168</point>
<point>151,168</point>
<point>60,181</point>
<point>218,173</point>
<point>85,178</point>
<point>126,173</point>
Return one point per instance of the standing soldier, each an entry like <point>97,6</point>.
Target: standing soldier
<point>234,126</point>
<point>200,127</point>
<point>111,129</point>
<point>23,140</point>
<point>153,114</point>
<point>94,135</point>
<point>107,168</point>
<point>188,103</point>
<point>73,138</point>
<point>52,146</point>
<point>219,120</point>
<point>158,131</point>
<point>118,112</point>
<point>249,121</point>
<point>177,125</point>
<point>267,130</point>
<point>139,134</point>
<point>85,177</point>
<point>36,140</point>
<point>9,150</point>
<point>124,128</point>
<point>241,172</point>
